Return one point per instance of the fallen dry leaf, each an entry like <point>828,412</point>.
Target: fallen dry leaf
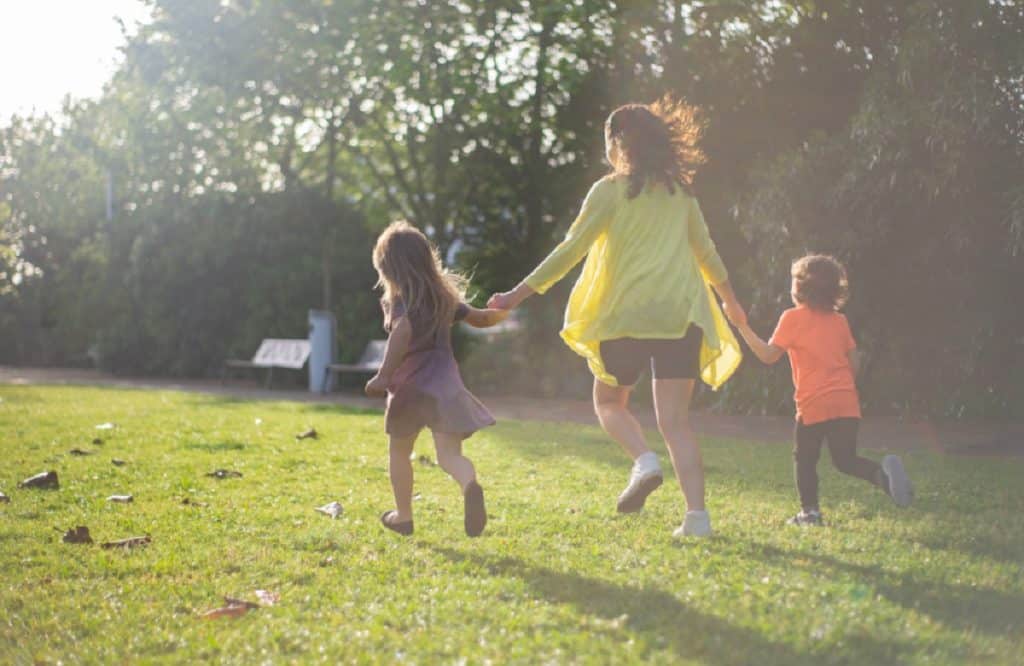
<point>106,426</point>
<point>80,452</point>
<point>124,499</point>
<point>4,498</point>
<point>224,474</point>
<point>192,502</point>
<point>267,598</point>
<point>97,441</point>
<point>309,434</point>
<point>425,460</point>
<point>118,462</point>
<point>130,542</point>
<point>41,480</point>
<point>225,611</point>
<point>78,534</point>
<point>231,601</point>
<point>333,509</point>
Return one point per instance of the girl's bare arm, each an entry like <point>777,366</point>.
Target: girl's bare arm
<point>766,352</point>
<point>484,318</point>
<point>398,346</point>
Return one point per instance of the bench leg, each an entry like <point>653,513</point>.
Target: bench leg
<point>270,377</point>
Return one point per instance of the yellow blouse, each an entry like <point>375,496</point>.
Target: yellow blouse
<point>650,264</point>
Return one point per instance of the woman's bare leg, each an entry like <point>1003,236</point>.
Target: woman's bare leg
<point>672,406</point>
<point>610,405</point>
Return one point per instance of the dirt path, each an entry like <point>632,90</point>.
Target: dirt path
<point>952,438</point>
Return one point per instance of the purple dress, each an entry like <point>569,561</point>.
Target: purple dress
<point>427,390</point>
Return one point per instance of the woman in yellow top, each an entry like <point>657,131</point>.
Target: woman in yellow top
<point>643,295</point>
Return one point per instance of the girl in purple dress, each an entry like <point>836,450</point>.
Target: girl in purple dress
<point>419,375</point>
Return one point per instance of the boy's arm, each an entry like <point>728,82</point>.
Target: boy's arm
<point>484,318</point>
<point>398,346</point>
<point>768,353</point>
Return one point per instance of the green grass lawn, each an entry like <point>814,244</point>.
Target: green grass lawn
<point>558,576</point>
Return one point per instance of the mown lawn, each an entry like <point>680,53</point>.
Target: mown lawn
<point>558,576</point>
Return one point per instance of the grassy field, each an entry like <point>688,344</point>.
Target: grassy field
<point>558,576</point>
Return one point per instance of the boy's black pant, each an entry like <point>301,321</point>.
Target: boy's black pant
<point>841,435</point>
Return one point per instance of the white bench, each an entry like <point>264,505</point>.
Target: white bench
<point>368,363</point>
<point>273,353</point>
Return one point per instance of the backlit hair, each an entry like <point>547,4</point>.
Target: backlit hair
<point>657,142</point>
<point>409,269</point>
<point>819,281</point>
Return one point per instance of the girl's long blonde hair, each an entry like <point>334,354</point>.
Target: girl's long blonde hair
<point>409,269</point>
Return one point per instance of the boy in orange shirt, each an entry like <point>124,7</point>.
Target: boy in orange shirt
<point>824,360</point>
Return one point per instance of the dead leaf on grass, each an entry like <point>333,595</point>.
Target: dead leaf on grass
<point>224,474</point>
<point>333,509</point>
<point>130,542</point>
<point>225,611</point>
<point>425,460</point>
<point>309,434</point>
<point>123,499</point>
<point>4,498</point>
<point>117,462</point>
<point>192,502</point>
<point>78,534</point>
<point>97,441</point>
<point>41,480</point>
<point>80,452</point>
<point>267,598</point>
<point>106,426</point>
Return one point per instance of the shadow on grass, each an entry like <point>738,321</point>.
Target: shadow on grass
<point>968,608</point>
<point>327,408</point>
<point>662,619</point>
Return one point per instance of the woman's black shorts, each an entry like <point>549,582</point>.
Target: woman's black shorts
<point>626,358</point>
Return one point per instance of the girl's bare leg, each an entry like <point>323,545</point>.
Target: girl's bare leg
<point>672,406</point>
<point>610,405</point>
<point>449,456</point>
<point>400,470</point>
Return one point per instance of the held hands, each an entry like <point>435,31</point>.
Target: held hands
<point>510,300</point>
<point>502,301</point>
<point>376,387</point>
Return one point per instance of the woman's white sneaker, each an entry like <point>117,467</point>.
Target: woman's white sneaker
<point>644,478</point>
<point>695,524</point>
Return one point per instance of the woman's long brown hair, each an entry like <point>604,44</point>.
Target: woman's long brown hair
<point>657,142</point>
<point>409,269</point>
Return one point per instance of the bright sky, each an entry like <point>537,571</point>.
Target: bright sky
<point>50,48</point>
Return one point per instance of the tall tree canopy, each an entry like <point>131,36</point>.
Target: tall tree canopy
<point>254,147</point>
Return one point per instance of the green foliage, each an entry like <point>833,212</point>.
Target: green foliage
<point>557,577</point>
<point>887,133</point>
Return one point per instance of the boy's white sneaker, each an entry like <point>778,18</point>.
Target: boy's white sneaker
<point>695,524</point>
<point>644,478</point>
<point>899,486</point>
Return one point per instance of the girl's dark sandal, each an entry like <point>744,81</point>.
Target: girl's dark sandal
<point>405,529</point>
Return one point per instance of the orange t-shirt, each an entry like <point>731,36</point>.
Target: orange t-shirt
<point>818,343</point>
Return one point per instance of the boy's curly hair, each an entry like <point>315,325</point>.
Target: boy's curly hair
<point>819,281</point>
<point>658,142</point>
